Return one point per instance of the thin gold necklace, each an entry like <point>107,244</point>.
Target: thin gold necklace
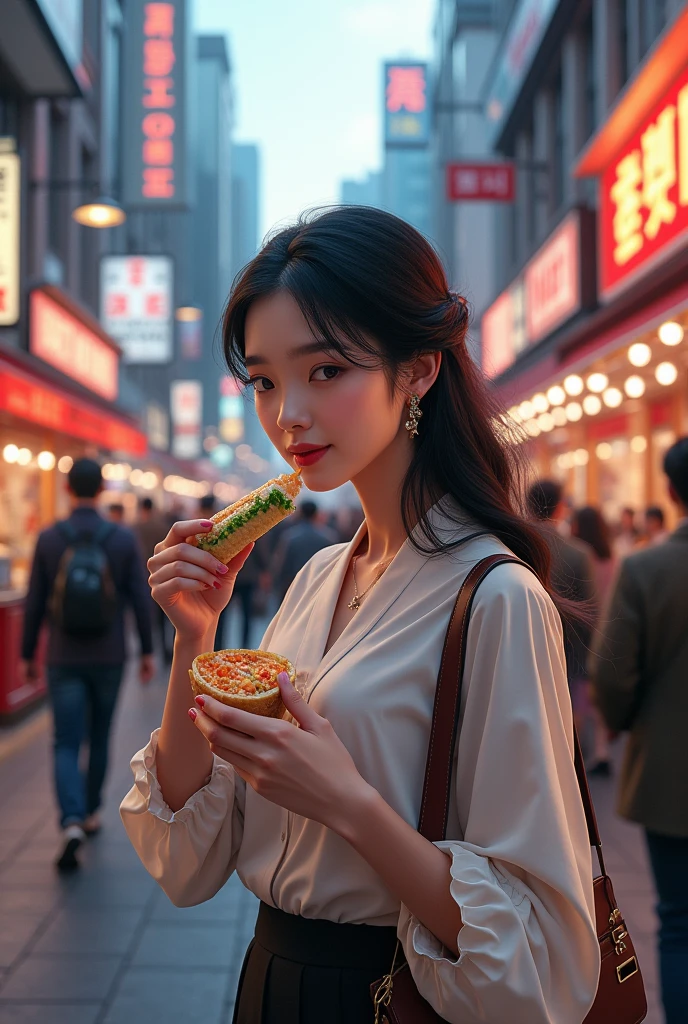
<point>355,603</point>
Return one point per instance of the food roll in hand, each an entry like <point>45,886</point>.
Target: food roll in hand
<point>250,517</point>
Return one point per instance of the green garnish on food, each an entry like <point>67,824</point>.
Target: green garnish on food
<point>275,499</point>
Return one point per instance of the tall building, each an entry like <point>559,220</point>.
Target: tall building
<point>465,41</point>
<point>246,242</point>
<point>366,192</point>
<point>212,219</point>
<point>246,204</point>
<point>585,336</point>
<point>61,380</point>
<point>407,169</point>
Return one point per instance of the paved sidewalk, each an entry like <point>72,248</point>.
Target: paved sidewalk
<point>107,947</point>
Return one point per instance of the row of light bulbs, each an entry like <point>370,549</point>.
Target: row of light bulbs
<point>184,487</point>
<point>119,471</point>
<point>604,450</point>
<point>23,456</point>
<point>545,411</point>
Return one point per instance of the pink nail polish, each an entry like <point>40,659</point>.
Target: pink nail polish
<point>200,701</point>
<point>206,524</point>
<point>217,584</point>
<point>192,713</point>
<point>221,569</point>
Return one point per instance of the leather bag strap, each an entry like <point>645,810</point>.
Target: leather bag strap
<point>434,810</point>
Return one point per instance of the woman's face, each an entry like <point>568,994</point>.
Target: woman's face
<point>321,413</point>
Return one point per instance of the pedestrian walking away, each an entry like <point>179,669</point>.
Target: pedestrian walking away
<point>85,572</point>
<point>345,326</point>
<point>640,670</point>
<point>571,574</point>
<point>588,525</point>
<point>150,530</point>
<point>297,545</point>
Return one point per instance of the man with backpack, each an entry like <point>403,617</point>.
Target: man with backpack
<point>85,571</point>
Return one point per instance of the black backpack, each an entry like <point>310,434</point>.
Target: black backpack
<point>84,599</point>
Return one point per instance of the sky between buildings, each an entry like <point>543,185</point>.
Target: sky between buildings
<point>307,81</point>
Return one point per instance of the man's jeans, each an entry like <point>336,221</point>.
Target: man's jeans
<point>83,700</point>
<point>669,859</point>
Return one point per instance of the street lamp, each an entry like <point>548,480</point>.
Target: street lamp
<point>102,212</point>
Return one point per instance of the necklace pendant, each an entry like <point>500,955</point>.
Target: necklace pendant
<point>354,604</point>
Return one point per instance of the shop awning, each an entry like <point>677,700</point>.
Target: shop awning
<point>28,397</point>
<point>41,46</point>
<point>664,64</point>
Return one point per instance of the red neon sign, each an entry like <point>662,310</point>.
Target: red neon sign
<point>70,346</point>
<point>493,182</point>
<point>158,125</point>
<point>644,194</point>
<point>37,403</point>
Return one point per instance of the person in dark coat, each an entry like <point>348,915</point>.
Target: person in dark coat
<point>84,671</point>
<point>572,577</point>
<point>298,543</point>
<point>640,677</point>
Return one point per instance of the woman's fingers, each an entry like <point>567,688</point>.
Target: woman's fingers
<point>228,739</point>
<point>180,569</point>
<point>180,531</point>
<point>163,592</point>
<point>186,553</point>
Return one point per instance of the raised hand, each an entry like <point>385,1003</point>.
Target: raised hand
<point>191,585</point>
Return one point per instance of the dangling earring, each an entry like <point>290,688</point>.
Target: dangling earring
<point>414,416</point>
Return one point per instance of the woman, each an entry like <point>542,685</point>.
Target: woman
<point>589,525</point>
<point>345,328</point>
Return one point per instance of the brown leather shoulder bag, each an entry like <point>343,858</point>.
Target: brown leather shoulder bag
<point>620,994</point>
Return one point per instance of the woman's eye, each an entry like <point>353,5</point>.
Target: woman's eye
<point>261,384</point>
<point>328,372</point>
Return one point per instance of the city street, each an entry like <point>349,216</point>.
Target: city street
<point>107,947</point>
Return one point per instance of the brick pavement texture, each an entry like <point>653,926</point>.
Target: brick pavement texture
<point>107,947</point>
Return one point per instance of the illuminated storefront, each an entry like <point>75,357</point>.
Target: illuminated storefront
<point>601,391</point>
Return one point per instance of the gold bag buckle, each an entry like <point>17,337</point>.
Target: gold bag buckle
<point>627,969</point>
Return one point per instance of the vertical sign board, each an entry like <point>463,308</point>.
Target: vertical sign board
<point>155,159</point>
<point>186,408</point>
<point>407,105</point>
<point>10,213</point>
<point>136,295</point>
<point>644,195</point>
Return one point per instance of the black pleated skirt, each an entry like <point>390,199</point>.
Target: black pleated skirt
<point>299,970</point>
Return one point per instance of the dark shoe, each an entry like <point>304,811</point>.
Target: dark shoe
<point>72,837</point>
<point>602,770</point>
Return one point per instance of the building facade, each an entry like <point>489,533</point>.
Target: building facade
<point>62,385</point>
<point>584,338</point>
<point>366,192</point>
<point>465,39</point>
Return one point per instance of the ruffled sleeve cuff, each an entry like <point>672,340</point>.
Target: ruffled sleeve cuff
<point>144,767</point>
<point>190,852</point>
<point>504,970</point>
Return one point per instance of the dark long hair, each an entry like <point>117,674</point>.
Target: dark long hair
<point>358,274</point>
<point>590,526</point>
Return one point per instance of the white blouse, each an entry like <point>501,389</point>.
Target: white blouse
<point>520,856</point>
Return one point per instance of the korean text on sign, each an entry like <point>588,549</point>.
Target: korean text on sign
<point>644,200</point>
